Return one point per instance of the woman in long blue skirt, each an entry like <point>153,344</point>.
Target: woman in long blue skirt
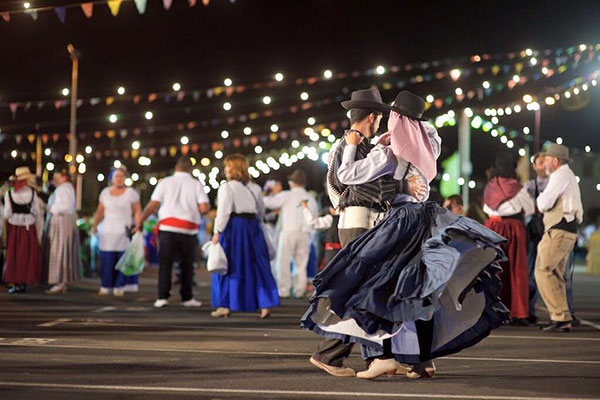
<point>248,285</point>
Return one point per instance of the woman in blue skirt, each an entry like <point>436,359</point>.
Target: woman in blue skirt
<point>248,285</point>
<point>421,284</point>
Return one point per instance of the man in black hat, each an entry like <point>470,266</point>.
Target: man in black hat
<point>360,206</point>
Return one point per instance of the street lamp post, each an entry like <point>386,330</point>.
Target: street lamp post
<point>73,124</point>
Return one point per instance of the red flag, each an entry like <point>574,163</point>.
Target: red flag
<point>88,9</point>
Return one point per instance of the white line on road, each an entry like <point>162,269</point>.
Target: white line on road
<point>277,353</point>
<point>105,309</point>
<point>55,322</point>
<point>590,323</point>
<point>317,394</point>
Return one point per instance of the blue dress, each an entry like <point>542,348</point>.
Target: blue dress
<point>423,279</point>
<point>249,284</point>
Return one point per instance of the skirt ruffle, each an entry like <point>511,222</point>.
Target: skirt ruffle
<point>421,263</point>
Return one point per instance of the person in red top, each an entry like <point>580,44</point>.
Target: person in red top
<point>180,200</point>
<point>506,203</point>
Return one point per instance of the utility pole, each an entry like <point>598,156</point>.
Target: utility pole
<point>536,131</point>
<point>73,126</point>
<point>73,123</point>
<point>464,152</point>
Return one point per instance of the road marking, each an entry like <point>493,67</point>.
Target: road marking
<point>590,323</point>
<point>105,309</point>
<point>33,342</point>
<point>318,394</point>
<point>280,353</point>
<point>55,322</point>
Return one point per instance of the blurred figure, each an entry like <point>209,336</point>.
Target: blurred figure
<point>535,228</point>
<point>180,200</point>
<point>64,264</point>
<point>563,212</point>
<point>329,224</point>
<point>248,285</point>
<point>24,213</point>
<point>454,203</point>
<point>119,211</point>
<point>294,241</point>
<point>506,203</point>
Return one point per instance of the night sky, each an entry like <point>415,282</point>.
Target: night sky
<point>249,41</point>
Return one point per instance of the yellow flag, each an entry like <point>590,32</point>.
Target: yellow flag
<point>114,6</point>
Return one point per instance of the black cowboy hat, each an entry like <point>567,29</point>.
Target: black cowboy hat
<point>368,99</point>
<point>409,105</point>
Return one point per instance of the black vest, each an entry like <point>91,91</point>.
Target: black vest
<point>376,194</point>
<point>21,208</point>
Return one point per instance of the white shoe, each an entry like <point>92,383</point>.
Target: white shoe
<point>131,288</point>
<point>191,303</point>
<point>379,367</point>
<point>118,292</point>
<point>160,303</point>
<point>104,291</point>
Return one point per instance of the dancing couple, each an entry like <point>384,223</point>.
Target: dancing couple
<point>413,281</point>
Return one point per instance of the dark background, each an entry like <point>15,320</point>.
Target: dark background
<point>250,40</point>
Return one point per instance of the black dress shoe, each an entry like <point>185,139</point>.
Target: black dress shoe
<point>532,319</point>
<point>557,326</point>
<point>575,322</point>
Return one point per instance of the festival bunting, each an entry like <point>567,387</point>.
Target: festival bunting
<point>114,6</point>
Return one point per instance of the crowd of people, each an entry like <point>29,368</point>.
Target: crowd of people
<point>408,279</point>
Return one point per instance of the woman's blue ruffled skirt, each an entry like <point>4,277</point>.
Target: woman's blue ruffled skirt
<point>423,279</point>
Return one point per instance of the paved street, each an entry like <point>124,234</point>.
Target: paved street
<point>81,345</point>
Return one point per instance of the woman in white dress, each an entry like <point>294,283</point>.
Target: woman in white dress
<point>64,263</point>
<point>118,209</point>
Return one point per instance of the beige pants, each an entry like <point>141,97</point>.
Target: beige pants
<point>293,245</point>
<point>553,252</point>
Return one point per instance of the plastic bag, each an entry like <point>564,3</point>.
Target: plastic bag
<point>217,260</point>
<point>133,259</point>
<point>270,245</point>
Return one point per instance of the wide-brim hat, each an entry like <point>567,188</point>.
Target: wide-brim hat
<point>367,99</point>
<point>24,174</point>
<point>410,105</point>
<point>558,151</point>
<point>298,176</point>
<point>21,174</point>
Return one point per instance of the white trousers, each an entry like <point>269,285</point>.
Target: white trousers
<point>293,245</point>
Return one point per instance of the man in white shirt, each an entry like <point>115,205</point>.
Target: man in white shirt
<point>294,241</point>
<point>180,200</point>
<point>563,212</point>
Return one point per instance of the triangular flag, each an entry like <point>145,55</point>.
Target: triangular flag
<point>141,5</point>
<point>192,3</point>
<point>114,6</point>
<point>32,13</point>
<point>205,2</point>
<point>5,16</point>
<point>167,4</point>
<point>62,13</point>
<point>13,109</point>
<point>88,9</point>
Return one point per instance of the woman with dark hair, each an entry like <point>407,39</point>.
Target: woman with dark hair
<point>248,285</point>
<point>119,210</point>
<point>64,263</point>
<point>507,203</point>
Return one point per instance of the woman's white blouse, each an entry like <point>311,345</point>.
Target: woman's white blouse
<point>235,197</point>
<point>62,201</point>
<point>118,216</point>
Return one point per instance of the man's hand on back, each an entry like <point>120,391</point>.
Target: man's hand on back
<point>353,138</point>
